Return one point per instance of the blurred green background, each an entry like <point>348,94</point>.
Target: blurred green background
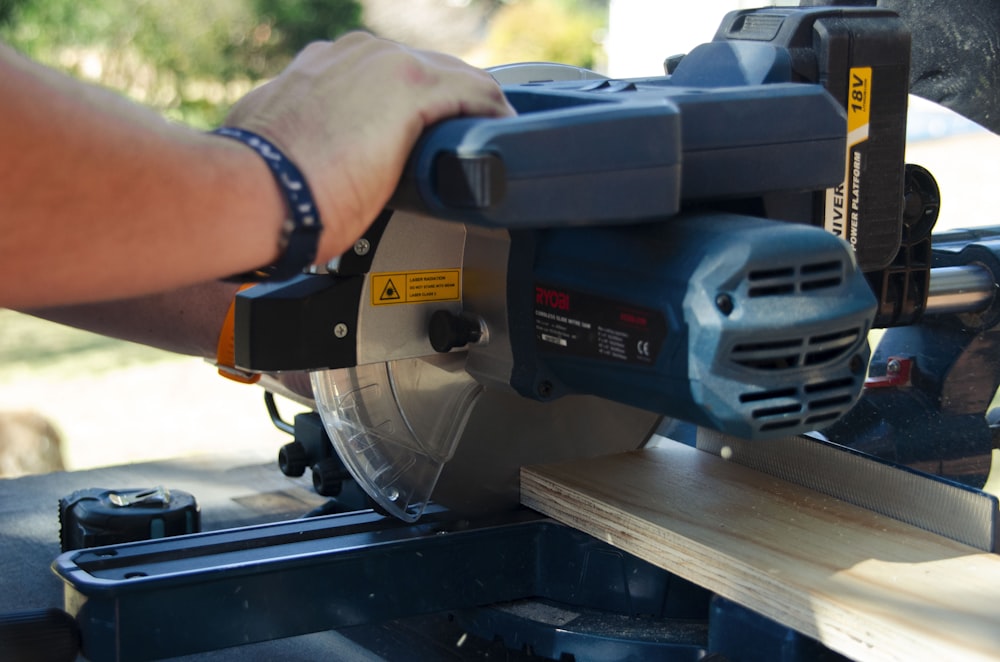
<point>192,59</point>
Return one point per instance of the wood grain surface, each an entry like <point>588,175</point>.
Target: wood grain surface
<point>865,585</point>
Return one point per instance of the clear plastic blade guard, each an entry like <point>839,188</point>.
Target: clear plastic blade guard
<point>395,424</point>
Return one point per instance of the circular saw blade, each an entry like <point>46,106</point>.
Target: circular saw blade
<point>415,430</point>
<point>506,431</point>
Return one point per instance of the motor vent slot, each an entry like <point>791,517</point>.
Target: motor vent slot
<point>822,275</point>
<point>771,282</point>
<point>771,412</point>
<point>830,385</point>
<point>828,347</point>
<point>792,280</point>
<point>770,355</point>
<point>808,406</point>
<point>792,353</point>
<point>780,425</point>
<point>768,395</point>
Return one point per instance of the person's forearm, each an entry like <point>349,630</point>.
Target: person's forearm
<point>101,199</point>
<point>184,321</point>
<point>92,180</point>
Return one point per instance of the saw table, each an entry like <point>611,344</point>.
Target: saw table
<point>233,491</point>
<point>808,561</point>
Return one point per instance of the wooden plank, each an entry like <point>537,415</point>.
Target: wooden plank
<point>865,585</point>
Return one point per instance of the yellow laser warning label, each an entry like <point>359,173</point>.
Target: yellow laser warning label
<point>843,203</point>
<point>416,286</point>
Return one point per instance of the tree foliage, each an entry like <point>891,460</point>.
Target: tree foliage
<point>563,31</point>
<point>191,59</point>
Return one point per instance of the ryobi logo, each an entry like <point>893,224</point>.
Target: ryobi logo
<point>550,298</point>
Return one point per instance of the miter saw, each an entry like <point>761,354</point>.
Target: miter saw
<point>554,284</point>
<point>702,251</point>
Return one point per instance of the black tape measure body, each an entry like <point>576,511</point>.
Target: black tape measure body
<point>94,517</point>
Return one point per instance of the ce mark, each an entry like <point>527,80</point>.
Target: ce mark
<point>642,348</point>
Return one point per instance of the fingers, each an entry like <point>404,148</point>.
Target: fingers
<point>419,73</point>
<point>352,83</point>
<point>348,112</point>
<point>475,91</point>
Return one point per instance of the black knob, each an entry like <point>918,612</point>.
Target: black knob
<point>448,331</point>
<point>293,459</point>
<point>328,477</point>
<point>921,202</point>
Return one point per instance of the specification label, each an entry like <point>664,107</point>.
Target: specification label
<point>580,324</point>
<point>416,286</point>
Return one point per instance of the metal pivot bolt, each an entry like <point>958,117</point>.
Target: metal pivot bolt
<point>340,330</point>
<point>898,371</point>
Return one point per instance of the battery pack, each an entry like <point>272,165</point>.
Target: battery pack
<point>861,56</point>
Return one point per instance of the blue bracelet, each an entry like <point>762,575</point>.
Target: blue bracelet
<point>300,232</point>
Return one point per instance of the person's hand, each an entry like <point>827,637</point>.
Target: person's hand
<point>348,113</point>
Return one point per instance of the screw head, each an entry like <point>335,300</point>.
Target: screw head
<point>362,246</point>
<point>545,388</point>
<point>724,303</point>
<point>340,330</point>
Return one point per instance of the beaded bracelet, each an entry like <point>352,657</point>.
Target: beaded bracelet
<point>300,232</point>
